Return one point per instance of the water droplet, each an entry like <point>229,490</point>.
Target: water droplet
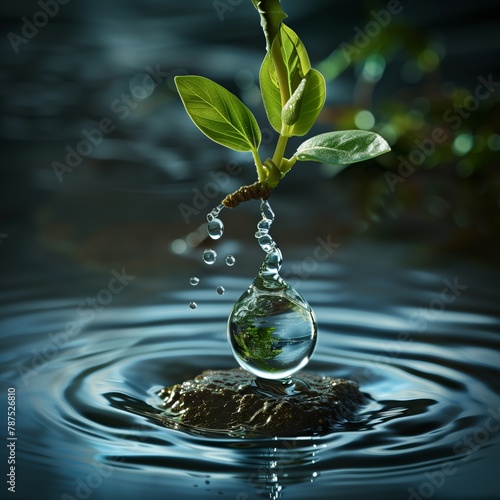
<point>266,243</point>
<point>193,305</point>
<point>209,256</point>
<point>272,329</point>
<point>264,225</point>
<point>266,211</point>
<point>273,262</point>
<point>194,280</point>
<point>215,229</point>
<point>230,260</point>
<point>220,290</point>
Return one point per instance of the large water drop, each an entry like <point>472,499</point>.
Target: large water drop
<point>271,329</point>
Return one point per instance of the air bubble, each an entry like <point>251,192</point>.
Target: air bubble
<point>193,305</point>
<point>194,280</point>
<point>220,290</point>
<point>230,260</point>
<point>209,256</point>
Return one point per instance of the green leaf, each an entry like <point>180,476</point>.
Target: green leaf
<point>270,91</point>
<point>271,16</point>
<point>218,113</point>
<point>294,56</point>
<point>293,62</point>
<point>343,147</point>
<point>306,103</point>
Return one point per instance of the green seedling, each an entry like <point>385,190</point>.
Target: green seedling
<point>293,94</point>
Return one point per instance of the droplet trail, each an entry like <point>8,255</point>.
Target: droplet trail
<point>271,329</point>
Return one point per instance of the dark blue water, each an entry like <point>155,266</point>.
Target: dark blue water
<point>94,316</point>
<point>88,407</point>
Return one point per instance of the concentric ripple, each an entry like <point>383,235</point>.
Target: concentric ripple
<point>431,392</point>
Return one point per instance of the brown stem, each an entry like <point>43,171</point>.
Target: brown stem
<point>256,191</point>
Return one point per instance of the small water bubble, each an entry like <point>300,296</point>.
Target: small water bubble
<point>215,229</point>
<point>193,305</point>
<point>230,260</point>
<point>274,260</point>
<point>264,225</point>
<point>220,290</point>
<point>266,211</point>
<point>266,243</point>
<point>194,280</point>
<point>209,256</point>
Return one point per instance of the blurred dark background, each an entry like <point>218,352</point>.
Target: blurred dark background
<point>102,170</point>
<point>115,61</point>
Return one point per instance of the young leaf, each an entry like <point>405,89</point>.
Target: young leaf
<point>343,147</point>
<point>294,56</point>
<point>218,113</point>
<point>270,91</point>
<point>306,103</point>
<point>295,66</point>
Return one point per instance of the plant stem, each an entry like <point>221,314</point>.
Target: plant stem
<point>261,171</point>
<point>280,150</point>
<point>281,71</point>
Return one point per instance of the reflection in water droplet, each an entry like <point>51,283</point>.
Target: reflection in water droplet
<point>209,256</point>
<point>194,280</point>
<point>271,329</point>
<point>220,290</point>
<point>230,260</point>
<point>193,305</point>
<point>215,229</point>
